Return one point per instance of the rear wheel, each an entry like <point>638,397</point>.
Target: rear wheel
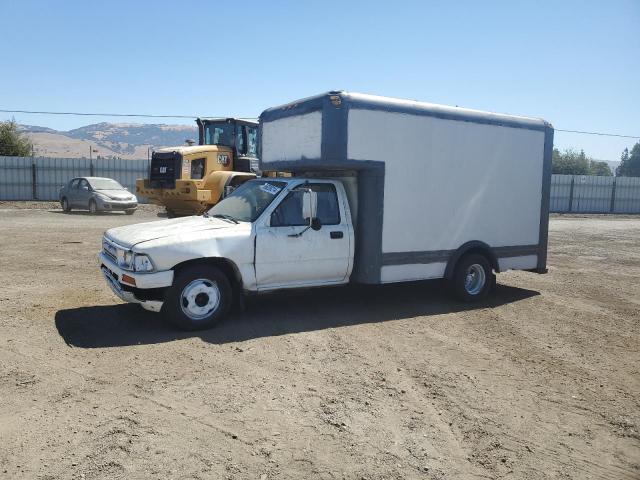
<point>199,298</point>
<point>64,203</point>
<point>473,278</point>
<point>93,207</point>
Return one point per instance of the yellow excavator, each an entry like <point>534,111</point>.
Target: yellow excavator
<point>188,180</point>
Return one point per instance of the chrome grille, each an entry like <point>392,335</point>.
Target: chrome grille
<point>109,249</point>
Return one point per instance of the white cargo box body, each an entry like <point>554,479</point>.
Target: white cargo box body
<point>433,181</point>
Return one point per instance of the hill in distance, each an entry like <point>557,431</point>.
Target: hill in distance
<point>111,140</point>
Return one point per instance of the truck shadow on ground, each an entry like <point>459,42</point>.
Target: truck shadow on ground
<point>275,314</point>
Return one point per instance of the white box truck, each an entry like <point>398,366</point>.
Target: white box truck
<point>381,190</point>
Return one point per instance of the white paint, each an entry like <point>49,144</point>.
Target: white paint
<point>402,273</point>
<point>313,258</point>
<point>448,182</point>
<point>436,109</point>
<point>292,138</point>
<point>518,263</point>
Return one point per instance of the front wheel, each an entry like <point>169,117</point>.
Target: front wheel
<point>130,212</point>
<point>199,298</point>
<point>473,278</point>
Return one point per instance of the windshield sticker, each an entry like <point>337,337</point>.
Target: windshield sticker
<point>271,189</point>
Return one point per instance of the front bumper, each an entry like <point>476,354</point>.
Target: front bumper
<point>116,204</point>
<point>113,275</point>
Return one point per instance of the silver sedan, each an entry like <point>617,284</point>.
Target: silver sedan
<point>97,194</point>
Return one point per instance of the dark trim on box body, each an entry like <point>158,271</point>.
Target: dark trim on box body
<point>335,106</point>
<point>440,256</point>
<point>546,200</point>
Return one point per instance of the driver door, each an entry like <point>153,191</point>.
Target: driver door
<point>83,194</point>
<point>316,257</point>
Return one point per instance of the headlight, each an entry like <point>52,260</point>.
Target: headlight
<point>142,263</point>
<point>125,257</point>
<point>136,262</point>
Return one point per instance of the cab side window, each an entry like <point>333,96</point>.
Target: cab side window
<point>74,183</point>
<point>84,185</point>
<point>240,147</point>
<point>289,212</point>
<point>197,169</point>
<point>252,141</point>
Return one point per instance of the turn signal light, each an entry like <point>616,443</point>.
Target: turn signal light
<point>127,279</point>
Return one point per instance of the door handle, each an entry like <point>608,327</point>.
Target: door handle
<point>335,235</point>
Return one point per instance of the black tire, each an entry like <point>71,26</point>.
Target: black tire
<point>215,292</point>
<point>64,203</point>
<point>93,207</point>
<point>474,288</point>
<point>130,212</point>
<point>170,213</point>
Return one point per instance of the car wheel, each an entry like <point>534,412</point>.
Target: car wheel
<point>170,213</point>
<point>199,298</point>
<point>64,203</point>
<point>130,212</point>
<point>93,207</point>
<point>473,278</point>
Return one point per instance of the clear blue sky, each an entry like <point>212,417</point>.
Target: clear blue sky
<point>574,63</point>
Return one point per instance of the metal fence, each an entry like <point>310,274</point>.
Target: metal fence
<point>40,178</point>
<point>591,194</point>
<point>27,178</point>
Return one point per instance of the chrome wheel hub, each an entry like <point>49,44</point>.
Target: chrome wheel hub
<point>474,279</point>
<point>200,298</point>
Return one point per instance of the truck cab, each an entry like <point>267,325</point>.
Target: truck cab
<point>187,180</point>
<point>269,234</point>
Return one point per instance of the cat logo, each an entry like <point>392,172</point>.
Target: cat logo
<point>163,169</point>
<point>223,159</point>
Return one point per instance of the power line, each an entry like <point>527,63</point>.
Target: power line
<point>142,115</point>
<point>146,115</point>
<point>598,133</point>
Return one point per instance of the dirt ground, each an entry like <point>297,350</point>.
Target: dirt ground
<point>540,382</point>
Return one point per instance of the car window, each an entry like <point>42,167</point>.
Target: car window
<point>289,212</point>
<point>74,183</point>
<point>84,185</point>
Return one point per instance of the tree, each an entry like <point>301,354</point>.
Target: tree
<point>629,162</point>
<point>12,142</point>
<point>600,168</point>
<point>570,162</point>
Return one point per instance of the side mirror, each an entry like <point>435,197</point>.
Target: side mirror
<point>309,205</point>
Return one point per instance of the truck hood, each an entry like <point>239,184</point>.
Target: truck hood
<point>131,235</point>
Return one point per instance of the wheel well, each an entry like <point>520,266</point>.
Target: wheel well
<point>226,266</point>
<point>466,249</point>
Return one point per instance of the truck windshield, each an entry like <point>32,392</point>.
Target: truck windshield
<point>218,134</point>
<point>248,201</point>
